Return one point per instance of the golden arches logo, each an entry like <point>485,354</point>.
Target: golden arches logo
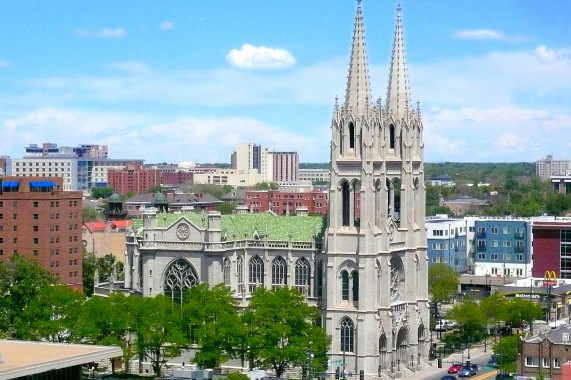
<point>549,278</point>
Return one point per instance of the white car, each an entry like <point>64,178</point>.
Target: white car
<point>444,325</point>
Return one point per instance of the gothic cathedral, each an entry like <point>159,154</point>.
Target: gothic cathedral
<point>375,306</point>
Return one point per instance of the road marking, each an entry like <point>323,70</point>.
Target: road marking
<point>485,375</point>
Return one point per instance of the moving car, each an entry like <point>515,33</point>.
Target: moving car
<point>468,371</point>
<point>456,367</point>
<point>444,325</point>
<point>448,377</point>
<point>504,376</point>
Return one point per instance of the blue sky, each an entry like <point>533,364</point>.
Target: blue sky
<point>188,80</point>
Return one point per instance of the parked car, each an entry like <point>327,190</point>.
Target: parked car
<point>448,377</point>
<point>468,371</point>
<point>444,325</point>
<point>455,367</point>
<point>504,376</point>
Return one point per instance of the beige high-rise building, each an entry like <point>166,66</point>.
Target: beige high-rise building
<point>375,304</point>
<point>549,167</point>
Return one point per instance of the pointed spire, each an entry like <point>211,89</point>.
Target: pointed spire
<point>358,92</point>
<point>398,90</point>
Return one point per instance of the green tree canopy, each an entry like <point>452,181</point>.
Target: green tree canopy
<point>442,282</point>
<point>471,318</point>
<point>21,281</point>
<point>284,328</point>
<point>226,208</point>
<point>102,192</point>
<point>210,316</point>
<point>506,350</point>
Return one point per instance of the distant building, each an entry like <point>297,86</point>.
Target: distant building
<point>41,222</point>
<point>82,167</point>
<point>461,205</point>
<point>561,183</point>
<point>545,354</point>
<point>232,177</point>
<point>447,242</point>
<point>551,246</point>
<point>313,175</point>
<point>442,180</point>
<point>236,196</point>
<point>176,203</point>
<point>285,167</point>
<point>549,167</point>
<point>133,178</point>
<point>502,246</point>
<point>282,203</point>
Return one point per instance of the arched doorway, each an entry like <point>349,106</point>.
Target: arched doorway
<point>421,341</point>
<point>402,346</point>
<point>382,352</point>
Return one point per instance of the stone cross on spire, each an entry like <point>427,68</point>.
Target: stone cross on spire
<point>398,89</point>
<point>358,92</point>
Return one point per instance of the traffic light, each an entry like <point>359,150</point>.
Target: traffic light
<point>337,371</point>
<point>361,375</point>
<point>439,363</point>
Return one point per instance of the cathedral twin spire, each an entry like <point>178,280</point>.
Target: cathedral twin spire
<point>358,93</point>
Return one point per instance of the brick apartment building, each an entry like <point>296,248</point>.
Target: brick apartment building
<point>40,221</point>
<point>175,178</point>
<point>545,353</point>
<point>133,178</point>
<point>280,202</point>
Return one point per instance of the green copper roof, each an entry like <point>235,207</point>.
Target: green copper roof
<point>244,226</point>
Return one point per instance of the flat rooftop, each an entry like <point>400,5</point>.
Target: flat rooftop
<point>24,358</point>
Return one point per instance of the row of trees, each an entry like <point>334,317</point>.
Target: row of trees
<point>277,330</point>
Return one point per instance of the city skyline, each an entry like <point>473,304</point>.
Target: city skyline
<point>189,81</point>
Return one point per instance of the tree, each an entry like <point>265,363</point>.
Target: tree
<point>156,324</point>
<point>89,214</point>
<point>226,208</point>
<point>506,350</point>
<point>88,271</point>
<point>518,309</point>
<point>284,329</point>
<point>51,315</point>
<point>108,321</point>
<point>101,192</point>
<point>21,280</point>
<point>494,307</point>
<point>210,314</point>
<point>442,283</point>
<point>471,318</point>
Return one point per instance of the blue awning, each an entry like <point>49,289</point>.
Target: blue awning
<point>10,184</point>
<point>42,184</point>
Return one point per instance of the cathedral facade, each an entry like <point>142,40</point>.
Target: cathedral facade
<point>376,306</point>
<point>366,268</point>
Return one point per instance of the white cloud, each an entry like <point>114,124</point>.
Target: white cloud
<point>167,25</point>
<point>112,33</point>
<point>135,67</point>
<point>479,34</point>
<point>546,55</point>
<point>103,33</point>
<point>4,63</point>
<point>252,57</point>
<point>511,141</point>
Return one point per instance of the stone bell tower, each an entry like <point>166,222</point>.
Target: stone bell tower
<point>375,267</point>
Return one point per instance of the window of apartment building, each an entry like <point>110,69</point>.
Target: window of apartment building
<point>556,362</point>
<point>15,228</point>
<point>494,243</point>
<point>545,362</point>
<point>494,256</point>
<point>519,257</point>
<point>519,272</point>
<point>1,252</point>
<point>36,216</point>
<point>471,229</point>
<point>481,256</point>
<point>494,230</point>
<point>481,244</point>
<point>36,204</point>
<point>1,216</point>
<point>15,216</point>
<point>1,240</point>
<point>1,204</point>
<point>507,257</point>
<point>481,230</point>
<point>36,252</point>
<point>52,204</point>
<point>70,251</point>
<point>15,203</point>
<point>531,361</point>
<point>495,271</point>
<point>507,244</point>
<point>36,240</point>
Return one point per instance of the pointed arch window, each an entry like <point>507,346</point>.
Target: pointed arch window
<point>351,136</point>
<point>345,285</point>
<point>391,136</point>
<point>302,272</point>
<point>226,272</point>
<point>347,335</point>
<point>279,272</point>
<point>345,204</point>
<point>179,276</point>
<point>355,278</point>
<point>240,273</point>
<point>256,273</point>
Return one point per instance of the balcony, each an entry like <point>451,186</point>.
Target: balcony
<point>481,248</point>
<point>481,234</point>
<point>519,249</point>
<point>519,235</point>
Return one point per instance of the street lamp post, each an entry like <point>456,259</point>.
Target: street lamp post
<point>310,357</point>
